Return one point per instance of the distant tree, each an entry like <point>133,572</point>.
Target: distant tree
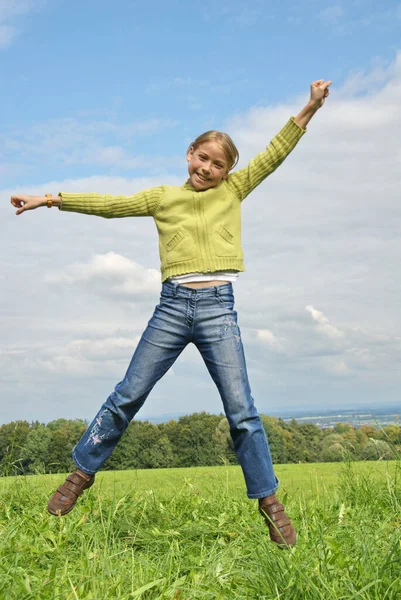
<point>350,434</point>
<point>35,454</point>
<point>336,448</point>
<point>312,436</point>
<point>159,454</point>
<point>276,438</point>
<point>127,454</point>
<point>334,453</point>
<point>342,428</point>
<point>361,437</point>
<point>377,450</point>
<point>143,446</point>
<point>65,435</point>
<point>371,432</point>
<point>193,439</point>
<point>224,443</point>
<point>12,439</point>
<point>298,445</point>
<point>199,439</point>
<point>283,424</point>
<point>392,434</point>
<point>297,452</point>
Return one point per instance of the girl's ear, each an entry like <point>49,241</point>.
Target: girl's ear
<point>190,153</point>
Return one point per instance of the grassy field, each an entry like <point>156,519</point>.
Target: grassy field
<point>189,534</point>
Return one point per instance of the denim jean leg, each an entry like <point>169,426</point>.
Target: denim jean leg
<point>220,344</point>
<point>160,345</point>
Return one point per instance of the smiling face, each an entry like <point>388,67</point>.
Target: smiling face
<point>207,165</point>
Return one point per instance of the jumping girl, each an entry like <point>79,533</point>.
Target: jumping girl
<point>199,227</point>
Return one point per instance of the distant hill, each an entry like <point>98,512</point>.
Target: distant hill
<point>380,416</point>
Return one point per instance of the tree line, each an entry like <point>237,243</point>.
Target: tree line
<point>200,439</point>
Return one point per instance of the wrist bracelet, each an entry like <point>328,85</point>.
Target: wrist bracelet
<point>49,200</point>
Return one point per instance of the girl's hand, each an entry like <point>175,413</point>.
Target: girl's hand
<point>24,203</point>
<point>319,90</point>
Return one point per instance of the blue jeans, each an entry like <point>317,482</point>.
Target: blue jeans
<point>206,317</point>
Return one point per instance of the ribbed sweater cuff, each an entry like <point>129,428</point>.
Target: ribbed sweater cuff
<point>292,131</point>
<point>71,202</point>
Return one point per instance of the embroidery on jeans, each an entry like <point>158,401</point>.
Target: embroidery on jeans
<point>94,436</point>
<point>229,323</point>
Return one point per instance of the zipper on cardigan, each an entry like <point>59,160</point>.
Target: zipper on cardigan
<point>201,230</point>
<point>205,234</point>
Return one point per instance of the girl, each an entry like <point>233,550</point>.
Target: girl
<point>199,226</point>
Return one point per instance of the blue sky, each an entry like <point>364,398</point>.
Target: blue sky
<point>106,96</point>
<point>175,67</point>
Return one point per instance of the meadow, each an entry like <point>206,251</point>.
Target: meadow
<point>192,534</point>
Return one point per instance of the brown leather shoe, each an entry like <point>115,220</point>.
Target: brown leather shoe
<point>66,495</point>
<point>282,531</point>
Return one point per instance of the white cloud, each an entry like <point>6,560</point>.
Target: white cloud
<point>318,305</point>
<point>298,346</point>
<point>267,337</point>
<point>87,357</point>
<point>117,156</point>
<point>12,10</point>
<point>323,323</point>
<point>72,141</point>
<point>110,274</point>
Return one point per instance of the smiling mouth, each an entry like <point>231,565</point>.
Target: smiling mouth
<point>202,178</point>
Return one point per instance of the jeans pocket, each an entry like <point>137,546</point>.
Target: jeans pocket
<point>165,296</point>
<point>226,300</point>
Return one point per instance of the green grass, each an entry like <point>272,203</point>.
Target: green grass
<point>189,534</point>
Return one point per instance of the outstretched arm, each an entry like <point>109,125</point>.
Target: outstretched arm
<point>141,204</point>
<point>264,163</point>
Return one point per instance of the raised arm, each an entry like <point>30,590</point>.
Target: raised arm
<point>142,204</point>
<point>264,163</point>
<point>319,91</point>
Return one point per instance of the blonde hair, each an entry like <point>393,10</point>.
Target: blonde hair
<point>225,142</point>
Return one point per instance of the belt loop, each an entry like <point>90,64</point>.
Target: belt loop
<point>217,293</point>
